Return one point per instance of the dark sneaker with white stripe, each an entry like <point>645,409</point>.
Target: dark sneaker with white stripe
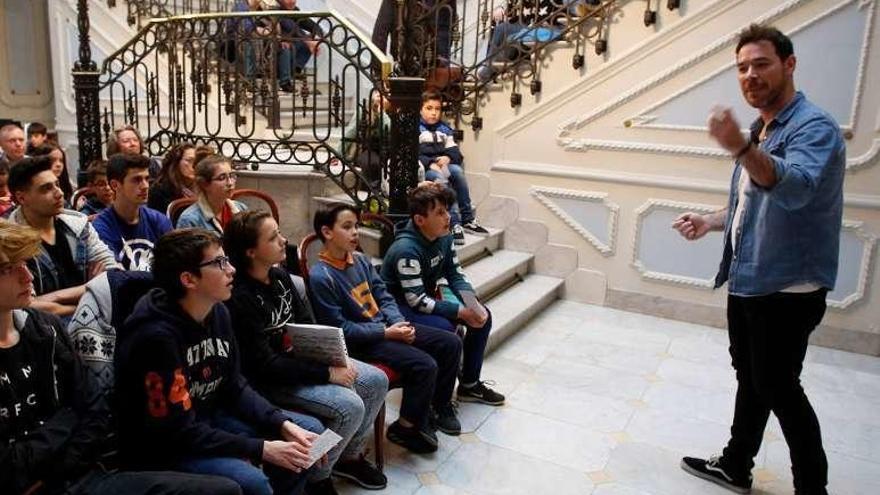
<point>474,228</point>
<point>479,392</point>
<point>713,470</point>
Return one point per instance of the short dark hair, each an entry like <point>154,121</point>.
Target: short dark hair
<point>326,216</point>
<point>242,233</point>
<point>426,196</point>
<point>4,165</point>
<point>119,164</point>
<point>37,128</point>
<point>431,96</point>
<point>758,32</point>
<point>96,169</point>
<point>24,170</point>
<point>180,251</point>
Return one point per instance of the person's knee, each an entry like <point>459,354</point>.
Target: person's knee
<point>373,380</point>
<point>309,423</point>
<point>218,485</point>
<point>425,370</point>
<point>253,482</point>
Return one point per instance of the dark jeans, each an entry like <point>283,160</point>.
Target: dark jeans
<point>768,342</point>
<point>474,340</point>
<point>463,210</point>
<point>99,482</point>
<point>427,368</point>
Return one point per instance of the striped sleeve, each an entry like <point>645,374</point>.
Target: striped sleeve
<point>408,269</point>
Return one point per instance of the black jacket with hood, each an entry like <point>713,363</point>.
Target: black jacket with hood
<point>61,440</point>
<point>172,376</point>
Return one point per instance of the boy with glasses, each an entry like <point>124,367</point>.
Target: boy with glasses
<point>184,403</point>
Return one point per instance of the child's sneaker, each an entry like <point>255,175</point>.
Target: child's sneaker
<point>479,392</point>
<point>457,235</point>
<point>413,439</point>
<point>444,419</point>
<point>474,228</point>
<point>712,470</point>
<point>361,472</point>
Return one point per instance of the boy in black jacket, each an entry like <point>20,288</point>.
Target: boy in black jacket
<point>183,401</point>
<point>48,440</point>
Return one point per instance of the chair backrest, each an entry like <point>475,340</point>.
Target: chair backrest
<point>244,194</point>
<point>309,247</point>
<point>176,207</point>
<point>79,197</point>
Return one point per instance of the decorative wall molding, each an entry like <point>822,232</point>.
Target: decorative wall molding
<point>865,265</point>
<point>565,130</point>
<point>644,119</point>
<point>643,211</point>
<point>866,201</point>
<point>546,194</point>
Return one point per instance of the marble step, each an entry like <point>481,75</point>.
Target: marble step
<point>493,272</point>
<point>518,304</point>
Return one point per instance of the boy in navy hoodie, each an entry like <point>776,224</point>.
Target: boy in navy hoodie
<point>422,254</point>
<point>443,163</point>
<point>184,404</point>
<point>348,293</point>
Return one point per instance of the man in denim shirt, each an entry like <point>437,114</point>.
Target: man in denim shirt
<point>782,230</point>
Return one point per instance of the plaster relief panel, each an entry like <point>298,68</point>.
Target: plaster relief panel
<point>590,214</point>
<point>660,253</point>
<point>854,266</point>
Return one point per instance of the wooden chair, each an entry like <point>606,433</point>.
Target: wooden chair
<point>244,194</point>
<point>176,207</point>
<point>309,248</point>
<point>79,197</point>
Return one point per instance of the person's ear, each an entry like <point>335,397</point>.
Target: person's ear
<point>789,65</point>
<point>189,280</point>
<point>326,232</point>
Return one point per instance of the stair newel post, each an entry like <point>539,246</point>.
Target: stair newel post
<point>85,85</point>
<point>406,98</point>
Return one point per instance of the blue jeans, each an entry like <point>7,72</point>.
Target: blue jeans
<point>474,341</point>
<point>465,212</point>
<point>251,479</point>
<point>292,58</point>
<point>348,412</point>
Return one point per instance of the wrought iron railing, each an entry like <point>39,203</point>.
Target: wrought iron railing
<point>218,79</point>
<point>459,47</point>
<point>139,12</point>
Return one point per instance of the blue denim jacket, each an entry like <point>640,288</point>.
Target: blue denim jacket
<point>789,233</point>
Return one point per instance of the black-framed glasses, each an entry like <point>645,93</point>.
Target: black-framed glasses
<point>227,177</point>
<point>221,262</point>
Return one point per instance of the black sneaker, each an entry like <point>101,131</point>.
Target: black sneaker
<point>322,487</point>
<point>457,235</point>
<point>712,470</point>
<point>479,393</point>
<point>412,438</point>
<point>361,472</point>
<point>444,419</point>
<point>474,228</point>
<point>287,87</point>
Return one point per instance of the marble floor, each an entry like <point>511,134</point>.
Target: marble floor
<point>606,402</point>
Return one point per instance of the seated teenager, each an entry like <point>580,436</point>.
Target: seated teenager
<point>59,168</point>
<point>47,437</point>
<point>183,403</point>
<point>176,179</point>
<point>263,300</point>
<point>71,253</point>
<point>422,254</point>
<point>37,134</point>
<point>101,195</point>
<point>215,180</point>
<point>128,227</point>
<point>347,292</point>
